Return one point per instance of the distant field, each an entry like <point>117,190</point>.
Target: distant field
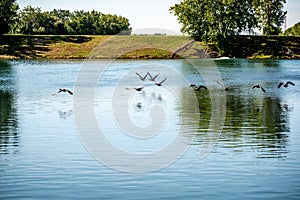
<point>143,47</point>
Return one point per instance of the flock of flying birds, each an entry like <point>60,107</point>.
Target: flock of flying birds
<point>199,87</point>
<point>196,88</point>
<point>143,78</point>
<point>286,84</point>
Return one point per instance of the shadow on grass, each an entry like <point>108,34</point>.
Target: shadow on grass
<point>150,53</point>
<point>264,47</point>
<point>28,46</point>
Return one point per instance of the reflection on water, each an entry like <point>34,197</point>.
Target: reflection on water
<point>147,101</point>
<point>9,137</point>
<point>65,114</point>
<point>259,124</point>
<point>41,153</point>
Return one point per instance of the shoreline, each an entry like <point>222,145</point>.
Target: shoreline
<point>78,47</point>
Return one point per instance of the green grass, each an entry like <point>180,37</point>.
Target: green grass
<point>142,47</point>
<point>80,47</point>
<point>145,47</point>
<point>47,47</point>
<point>4,63</point>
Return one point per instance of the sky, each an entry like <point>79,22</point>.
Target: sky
<point>142,14</point>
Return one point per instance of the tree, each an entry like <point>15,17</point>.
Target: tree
<point>214,21</point>
<point>62,18</point>
<point>8,14</point>
<point>270,15</point>
<point>29,21</point>
<point>220,17</point>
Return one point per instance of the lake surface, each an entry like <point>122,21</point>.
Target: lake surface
<point>242,143</point>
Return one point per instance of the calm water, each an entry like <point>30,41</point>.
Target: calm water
<point>257,155</point>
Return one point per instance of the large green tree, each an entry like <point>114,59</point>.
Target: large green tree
<point>203,18</point>
<point>8,13</point>
<point>213,21</point>
<point>270,15</point>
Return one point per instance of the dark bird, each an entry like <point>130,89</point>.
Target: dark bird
<point>152,78</point>
<point>258,86</point>
<point>197,88</point>
<point>139,105</point>
<point>286,84</point>
<point>64,90</point>
<point>141,77</point>
<point>135,88</point>
<point>226,88</point>
<point>159,84</point>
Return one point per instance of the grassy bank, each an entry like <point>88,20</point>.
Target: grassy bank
<point>143,47</point>
<point>47,47</point>
<point>80,47</point>
<point>263,47</point>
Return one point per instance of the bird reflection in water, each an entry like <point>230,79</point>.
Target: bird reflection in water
<point>65,114</point>
<point>142,101</point>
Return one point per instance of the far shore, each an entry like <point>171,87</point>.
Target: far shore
<point>144,47</point>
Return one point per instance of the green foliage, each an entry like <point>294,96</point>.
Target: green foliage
<point>8,12</point>
<point>32,20</point>
<point>213,21</point>
<point>270,15</point>
<point>3,63</point>
<point>293,31</point>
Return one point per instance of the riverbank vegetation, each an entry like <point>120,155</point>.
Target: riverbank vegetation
<point>81,47</point>
<point>214,28</point>
<point>262,47</point>
<point>215,21</point>
<point>143,47</point>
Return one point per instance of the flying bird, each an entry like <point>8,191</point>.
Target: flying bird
<point>64,90</point>
<point>197,88</point>
<point>152,78</point>
<point>258,86</point>
<point>285,84</point>
<point>139,105</point>
<point>159,84</point>
<point>141,77</point>
<point>135,88</point>
<point>225,88</point>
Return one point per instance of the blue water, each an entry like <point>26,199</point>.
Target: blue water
<point>42,154</point>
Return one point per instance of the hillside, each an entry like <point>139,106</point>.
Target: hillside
<point>143,47</point>
<point>80,47</point>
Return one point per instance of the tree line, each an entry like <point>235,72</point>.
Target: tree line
<point>32,20</point>
<point>213,21</point>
